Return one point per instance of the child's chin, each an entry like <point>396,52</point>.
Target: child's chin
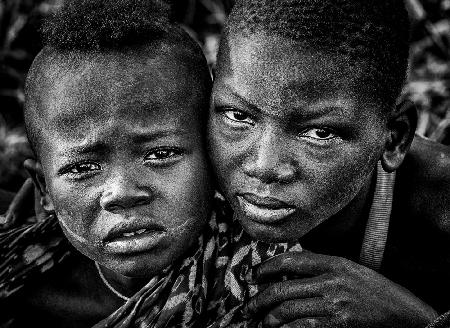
<point>148,269</point>
<point>275,233</point>
<point>264,232</point>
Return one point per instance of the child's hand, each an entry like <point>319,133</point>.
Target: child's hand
<point>24,204</point>
<point>327,291</point>
<point>20,207</point>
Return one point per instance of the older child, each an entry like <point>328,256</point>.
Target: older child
<point>303,109</point>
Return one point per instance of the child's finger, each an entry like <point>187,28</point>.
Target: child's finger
<point>291,311</point>
<point>317,322</point>
<point>297,264</point>
<point>280,292</point>
<point>20,206</point>
<point>41,214</point>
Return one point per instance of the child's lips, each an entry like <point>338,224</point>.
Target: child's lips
<point>140,241</point>
<point>265,210</point>
<point>130,237</point>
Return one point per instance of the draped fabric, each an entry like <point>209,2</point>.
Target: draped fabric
<point>206,288</point>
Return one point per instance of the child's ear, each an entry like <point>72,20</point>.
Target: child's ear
<point>34,169</point>
<point>402,125</point>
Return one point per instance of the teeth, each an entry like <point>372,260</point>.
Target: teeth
<point>131,234</point>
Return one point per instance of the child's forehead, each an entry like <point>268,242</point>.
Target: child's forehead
<point>119,90</point>
<point>117,79</point>
<point>282,65</point>
<point>119,120</point>
<point>269,67</point>
<point>263,51</point>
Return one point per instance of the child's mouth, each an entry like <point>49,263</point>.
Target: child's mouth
<point>134,242</point>
<point>123,240</point>
<point>264,210</point>
<point>134,233</point>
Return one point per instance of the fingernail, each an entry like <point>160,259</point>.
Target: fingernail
<point>3,219</point>
<point>10,217</point>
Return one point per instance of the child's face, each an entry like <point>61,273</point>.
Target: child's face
<point>124,162</point>
<point>290,142</point>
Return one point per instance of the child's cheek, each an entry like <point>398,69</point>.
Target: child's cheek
<point>77,234</point>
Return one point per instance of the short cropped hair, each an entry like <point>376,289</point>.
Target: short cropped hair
<point>374,33</point>
<point>80,28</point>
<point>100,24</point>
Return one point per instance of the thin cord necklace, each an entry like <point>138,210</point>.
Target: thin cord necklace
<point>107,284</point>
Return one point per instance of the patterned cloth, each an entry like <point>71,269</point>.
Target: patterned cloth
<point>206,288</point>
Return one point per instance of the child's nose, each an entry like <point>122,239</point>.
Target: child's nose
<point>124,190</point>
<point>268,161</point>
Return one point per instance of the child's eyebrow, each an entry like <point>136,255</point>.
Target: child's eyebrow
<point>334,106</point>
<point>233,94</point>
<point>325,110</point>
<point>99,147</point>
<point>91,148</point>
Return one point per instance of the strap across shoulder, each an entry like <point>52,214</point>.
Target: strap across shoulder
<point>377,227</point>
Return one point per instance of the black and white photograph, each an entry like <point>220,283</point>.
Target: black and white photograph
<point>225,163</point>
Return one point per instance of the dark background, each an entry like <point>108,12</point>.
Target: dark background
<point>428,84</point>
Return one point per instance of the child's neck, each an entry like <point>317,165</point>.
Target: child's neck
<point>126,286</point>
<point>342,234</point>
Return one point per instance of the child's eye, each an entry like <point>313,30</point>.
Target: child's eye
<point>319,134</point>
<point>163,155</point>
<point>80,169</point>
<point>237,117</point>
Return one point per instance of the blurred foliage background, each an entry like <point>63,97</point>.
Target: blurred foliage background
<point>428,84</point>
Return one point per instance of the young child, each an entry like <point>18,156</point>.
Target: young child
<point>116,105</point>
<point>305,137</point>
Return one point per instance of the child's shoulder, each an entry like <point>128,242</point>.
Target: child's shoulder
<point>423,184</point>
<point>417,254</point>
